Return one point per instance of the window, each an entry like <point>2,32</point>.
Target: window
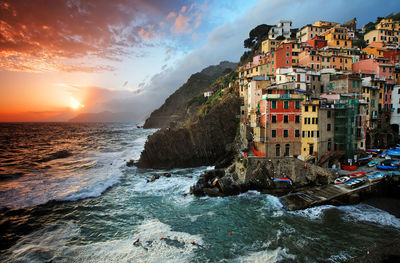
<point>329,113</point>
<point>286,104</point>
<point>273,118</point>
<point>287,150</point>
<point>329,145</point>
<point>313,120</point>
<point>398,110</point>
<point>273,133</point>
<point>285,118</point>
<point>274,104</point>
<point>306,108</point>
<point>314,108</point>
<point>277,150</point>
<point>285,133</point>
<point>297,133</point>
<point>328,127</point>
<point>298,104</point>
<point>312,134</point>
<point>305,120</point>
<point>304,134</point>
<point>297,118</point>
<point>287,54</point>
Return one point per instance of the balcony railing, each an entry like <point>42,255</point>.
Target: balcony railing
<point>284,96</point>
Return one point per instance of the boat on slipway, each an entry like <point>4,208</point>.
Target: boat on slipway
<point>376,177</point>
<point>388,165</point>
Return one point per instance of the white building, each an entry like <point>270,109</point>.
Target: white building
<point>281,29</point>
<point>395,116</point>
<point>298,77</point>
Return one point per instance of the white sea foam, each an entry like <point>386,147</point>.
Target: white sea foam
<point>73,178</point>
<point>266,256</point>
<point>367,213</point>
<point>312,213</point>
<point>353,213</point>
<point>53,243</point>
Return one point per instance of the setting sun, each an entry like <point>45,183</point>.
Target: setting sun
<point>76,104</point>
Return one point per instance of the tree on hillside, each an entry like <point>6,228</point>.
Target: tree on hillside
<point>394,16</point>
<point>256,35</point>
<point>369,27</point>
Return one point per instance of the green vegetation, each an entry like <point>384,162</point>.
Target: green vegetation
<point>394,16</point>
<point>256,36</point>
<point>199,99</point>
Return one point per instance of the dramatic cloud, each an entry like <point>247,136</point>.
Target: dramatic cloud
<point>39,35</point>
<point>187,19</point>
<point>226,41</point>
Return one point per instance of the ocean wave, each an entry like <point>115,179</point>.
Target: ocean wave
<point>56,155</point>
<point>353,213</point>
<point>157,243</point>
<point>367,213</point>
<point>265,256</point>
<point>312,213</point>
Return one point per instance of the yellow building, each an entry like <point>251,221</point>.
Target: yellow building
<point>337,37</point>
<point>325,24</point>
<point>375,49</point>
<point>269,45</point>
<point>308,32</point>
<point>388,24</point>
<point>386,31</point>
<point>310,129</point>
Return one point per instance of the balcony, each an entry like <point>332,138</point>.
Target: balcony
<point>284,96</point>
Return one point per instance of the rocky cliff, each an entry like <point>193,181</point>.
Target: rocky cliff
<point>174,111</point>
<point>258,174</point>
<point>205,139</point>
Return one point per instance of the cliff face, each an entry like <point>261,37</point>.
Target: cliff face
<point>174,112</point>
<point>205,140</point>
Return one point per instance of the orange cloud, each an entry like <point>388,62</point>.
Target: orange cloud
<point>36,35</point>
<point>181,24</point>
<point>171,15</point>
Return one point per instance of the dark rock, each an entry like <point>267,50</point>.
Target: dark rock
<point>154,177</point>
<point>200,143</point>
<point>130,163</point>
<point>206,181</point>
<point>166,175</point>
<point>212,191</point>
<point>228,187</point>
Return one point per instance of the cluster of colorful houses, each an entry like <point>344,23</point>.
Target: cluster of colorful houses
<point>316,93</point>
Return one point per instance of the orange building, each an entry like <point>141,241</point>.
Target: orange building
<point>337,37</point>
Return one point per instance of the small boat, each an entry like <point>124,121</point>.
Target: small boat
<point>341,180</point>
<point>372,163</point>
<point>374,151</point>
<point>364,160</point>
<point>350,168</point>
<point>283,179</point>
<point>376,177</point>
<point>357,175</point>
<point>388,165</point>
<point>355,183</point>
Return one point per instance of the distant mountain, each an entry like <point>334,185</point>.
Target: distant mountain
<point>105,116</point>
<point>173,111</point>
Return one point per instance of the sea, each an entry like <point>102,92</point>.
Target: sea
<point>67,195</point>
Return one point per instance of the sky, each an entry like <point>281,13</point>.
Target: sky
<point>59,58</point>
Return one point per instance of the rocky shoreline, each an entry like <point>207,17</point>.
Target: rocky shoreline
<point>258,174</point>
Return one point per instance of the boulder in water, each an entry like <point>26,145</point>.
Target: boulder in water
<point>154,177</point>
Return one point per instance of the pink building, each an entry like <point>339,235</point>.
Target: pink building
<point>379,68</point>
<point>257,59</point>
